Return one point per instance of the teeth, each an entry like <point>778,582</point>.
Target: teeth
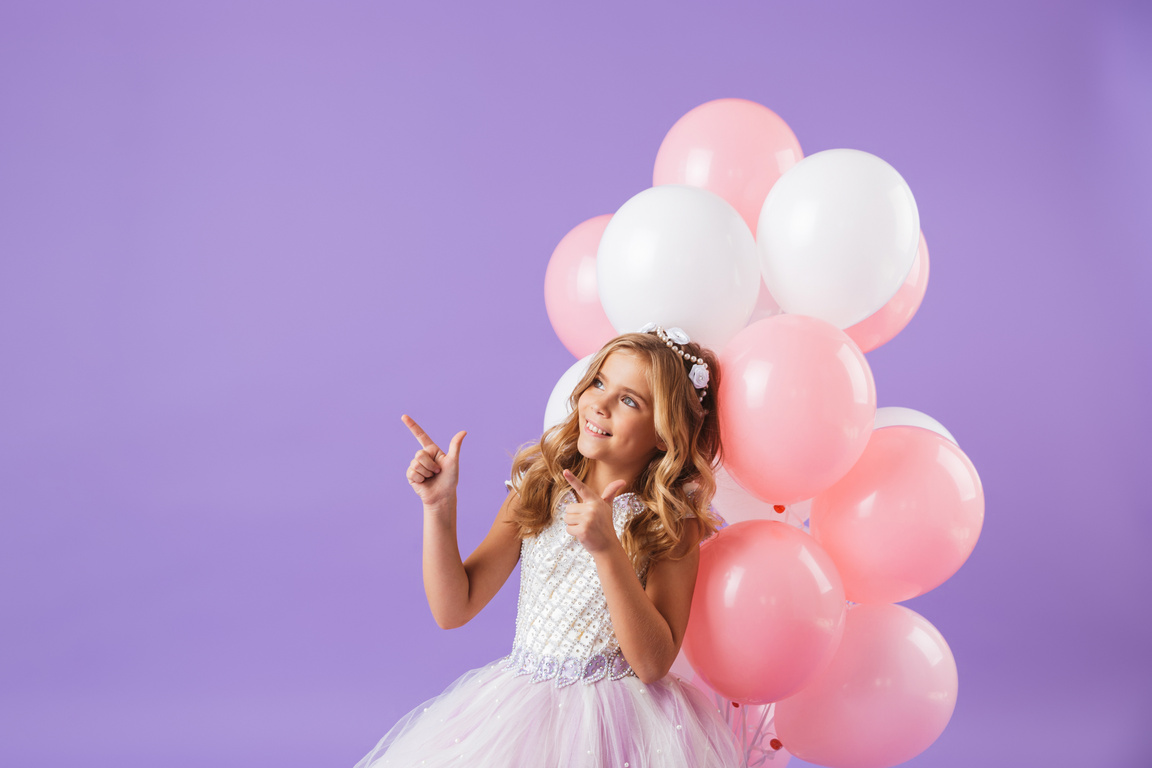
<point>592,428</point>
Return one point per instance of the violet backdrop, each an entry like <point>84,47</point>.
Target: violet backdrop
<point>238,240</point>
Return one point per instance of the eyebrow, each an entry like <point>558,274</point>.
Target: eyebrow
<point>600,375</point>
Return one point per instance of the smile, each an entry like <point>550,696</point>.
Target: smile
<point>595,430</point>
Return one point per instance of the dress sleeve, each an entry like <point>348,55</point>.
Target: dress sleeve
<point>691,493</point>
<point>508,483</point>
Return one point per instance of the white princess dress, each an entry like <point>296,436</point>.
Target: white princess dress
<point>565,697</point>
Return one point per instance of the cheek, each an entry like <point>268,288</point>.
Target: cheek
<point>641,428</point>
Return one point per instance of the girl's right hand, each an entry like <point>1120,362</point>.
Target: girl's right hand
<point>433,474</point>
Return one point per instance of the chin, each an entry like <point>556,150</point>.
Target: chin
<point>582,447</point>
<point>586,446</point>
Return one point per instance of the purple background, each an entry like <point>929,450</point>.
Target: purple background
<point>238,240</point>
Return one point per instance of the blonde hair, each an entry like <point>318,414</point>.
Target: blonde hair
<point>688,427</point>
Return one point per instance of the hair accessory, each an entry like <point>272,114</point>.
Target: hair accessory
<point>672,337</point>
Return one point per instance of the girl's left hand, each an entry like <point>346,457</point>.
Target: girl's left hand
<point>590,520</point>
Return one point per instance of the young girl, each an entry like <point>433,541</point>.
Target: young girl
<point>604,514</point>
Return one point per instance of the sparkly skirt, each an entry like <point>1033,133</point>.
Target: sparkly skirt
<point>493,718</point>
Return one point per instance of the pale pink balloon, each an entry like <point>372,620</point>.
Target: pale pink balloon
<point>733,147</point>
<point>571,295</point>
<point>767,612</point>
<point>887,695</point>
<point>798,403</point>
<point>882,325</point>
<point>904,518</point>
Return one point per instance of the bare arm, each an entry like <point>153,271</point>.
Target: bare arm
<point>457,590</point>
<point>650,622</point>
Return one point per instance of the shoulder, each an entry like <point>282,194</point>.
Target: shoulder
<point>690,540</point>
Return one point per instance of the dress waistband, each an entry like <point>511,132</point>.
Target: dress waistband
<point>566,671</point>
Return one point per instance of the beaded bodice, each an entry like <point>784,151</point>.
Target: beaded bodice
<point>563,630</point>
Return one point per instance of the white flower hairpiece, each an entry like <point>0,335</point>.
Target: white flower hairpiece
<point>699,376</point>
<point>672,337</point>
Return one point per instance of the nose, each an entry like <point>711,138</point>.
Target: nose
<point>598,401</point>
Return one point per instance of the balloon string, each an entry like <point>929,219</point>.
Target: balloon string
<point>756,745</point>
<point>754,753</point>
<point>744,735</point>
<point>764,717</point>
<point>751,739</point>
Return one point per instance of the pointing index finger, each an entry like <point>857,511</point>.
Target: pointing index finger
<point>420,434</point>
<point>582,490</point>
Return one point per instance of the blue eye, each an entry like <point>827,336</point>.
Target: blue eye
<point>626,399</point>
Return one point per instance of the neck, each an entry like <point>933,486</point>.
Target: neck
<point>600,475</point>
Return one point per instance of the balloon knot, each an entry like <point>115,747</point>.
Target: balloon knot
<point>735,704</point>
<point>779,508</point>
<point>776,744</point>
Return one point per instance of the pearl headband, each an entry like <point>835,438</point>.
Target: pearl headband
<point>672,337</point>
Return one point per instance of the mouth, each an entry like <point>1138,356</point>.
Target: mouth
<point>592,429</point>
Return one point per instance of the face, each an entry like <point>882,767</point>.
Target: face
<point>617,422</point>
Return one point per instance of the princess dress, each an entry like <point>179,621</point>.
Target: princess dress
<point>565,697</point>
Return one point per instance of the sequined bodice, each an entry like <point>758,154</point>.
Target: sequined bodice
<point>563,630</point>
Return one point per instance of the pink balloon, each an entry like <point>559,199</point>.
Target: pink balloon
<point>883,324</point>
<point>887,695</point>
<point>797,406</point>
<point>571,295</point>
<point>733,147</point>
<point>767,612</point>
<point>904,518</point>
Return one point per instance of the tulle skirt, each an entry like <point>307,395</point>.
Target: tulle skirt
<point>491,717</point>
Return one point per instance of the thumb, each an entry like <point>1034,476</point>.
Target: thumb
<point>613,488</point>
<point>454,446</point>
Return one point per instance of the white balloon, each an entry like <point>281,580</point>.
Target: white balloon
<point>894,416</point>
<point>837,236</point>
<point>679,256</point>
<point>558,407</point>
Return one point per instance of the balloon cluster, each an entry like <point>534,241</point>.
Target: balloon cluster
<point>791,268</point>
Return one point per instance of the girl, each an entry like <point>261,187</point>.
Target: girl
<point>604,514</point>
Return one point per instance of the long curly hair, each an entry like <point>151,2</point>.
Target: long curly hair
<point>689,427</point>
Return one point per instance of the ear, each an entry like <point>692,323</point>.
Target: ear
<point>661,445</point>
